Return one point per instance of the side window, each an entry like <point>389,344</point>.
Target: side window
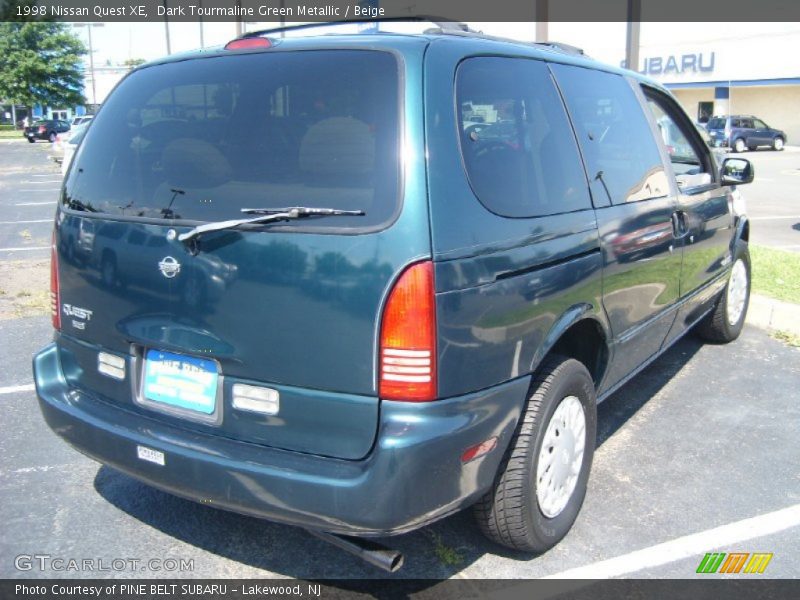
<point>747,123</point>
<point>614,134</point>
<point>518,147</point>
<point>685,158</point>
<point>760,124</point>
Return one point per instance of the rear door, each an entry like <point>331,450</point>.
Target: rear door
<point>634,206</point>
<point>291,306</point>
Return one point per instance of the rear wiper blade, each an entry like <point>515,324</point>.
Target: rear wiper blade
<point>305,211</point>
<point>267,215</point>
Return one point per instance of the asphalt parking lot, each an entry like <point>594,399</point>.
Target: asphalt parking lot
<point>772,201</point>
<point>697,454</point>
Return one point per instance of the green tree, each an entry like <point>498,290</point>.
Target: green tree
<point>40,63</point>
<point>133,62</point>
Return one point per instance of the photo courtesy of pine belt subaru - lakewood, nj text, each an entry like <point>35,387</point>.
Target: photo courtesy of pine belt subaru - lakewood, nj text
<point>357,283</point>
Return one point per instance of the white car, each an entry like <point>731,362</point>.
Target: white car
<point>66,143</point>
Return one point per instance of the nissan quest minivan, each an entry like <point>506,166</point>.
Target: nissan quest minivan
<point>357,283</point>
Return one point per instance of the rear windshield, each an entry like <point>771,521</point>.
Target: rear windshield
<point>201,139</point>
<point>716,123</point>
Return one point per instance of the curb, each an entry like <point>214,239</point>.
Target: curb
<point>769,313</point>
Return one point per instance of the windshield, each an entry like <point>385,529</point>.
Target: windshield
<point>199,140</point>
<point>716,123</point>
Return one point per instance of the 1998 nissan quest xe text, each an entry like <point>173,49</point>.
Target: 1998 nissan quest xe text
<point>356,283</point>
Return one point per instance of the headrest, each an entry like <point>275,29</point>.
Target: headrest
<point>194,163</point>
<point>338,146</point>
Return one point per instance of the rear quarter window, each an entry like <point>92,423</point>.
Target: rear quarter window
<point>198,140</point>
<point>614,134</point>
<point>517,145</point>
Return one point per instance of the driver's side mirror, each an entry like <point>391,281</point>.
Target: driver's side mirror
<point>737,171</point>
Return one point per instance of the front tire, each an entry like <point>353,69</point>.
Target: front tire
<point>726,321</point>
<point>52,137</point>
<point>541,483</point>
<point>777,144</point>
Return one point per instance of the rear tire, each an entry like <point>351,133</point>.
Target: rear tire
<point>531,508</point>
<point>52,137</point>
<point>32,140</point>
<point>739,145</point>
<point>726,321</point>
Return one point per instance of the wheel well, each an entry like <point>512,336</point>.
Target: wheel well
<point>585,342</point>
<point>746,231</point>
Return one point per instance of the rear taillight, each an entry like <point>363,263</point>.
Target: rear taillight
<point>55,290</point>
<point>408,338</point>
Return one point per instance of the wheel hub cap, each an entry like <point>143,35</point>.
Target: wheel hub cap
<point>737,292</point>
<point>561,457</point>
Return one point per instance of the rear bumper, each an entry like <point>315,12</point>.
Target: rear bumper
<point>412,476</point>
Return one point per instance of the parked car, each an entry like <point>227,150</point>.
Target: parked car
<point>45,130</point>
<point>744,132</point>
<point>66,143</point>
<point>417,315</point>
<point>82,119</point>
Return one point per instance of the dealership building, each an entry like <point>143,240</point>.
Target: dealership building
<point>729,68</point>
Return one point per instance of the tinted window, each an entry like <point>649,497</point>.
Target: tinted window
<point>682,154</point>
<point>200,139</point>
<point>747,123</point>
<point>716,123</point>
<point>518,147</point>
<point>760,124</point>
<point>614,134</point>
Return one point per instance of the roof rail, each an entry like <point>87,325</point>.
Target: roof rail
<point>442,24</point>
<point>443,27</point>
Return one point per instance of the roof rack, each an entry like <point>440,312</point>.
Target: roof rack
<point>443,27</point>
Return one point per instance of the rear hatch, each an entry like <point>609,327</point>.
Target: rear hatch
<point>290,307</point>
<point>716,130</point>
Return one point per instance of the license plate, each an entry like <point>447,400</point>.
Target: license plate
<point>180,381</point>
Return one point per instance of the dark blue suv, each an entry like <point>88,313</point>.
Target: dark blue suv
<point>744,132</point>
<point>357,283</point>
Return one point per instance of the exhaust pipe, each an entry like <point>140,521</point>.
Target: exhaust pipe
<point>372,552</point>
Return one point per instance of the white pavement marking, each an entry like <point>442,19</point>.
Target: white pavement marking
<point>35,203</point>
<point>26,248</point>
<point>42,181</point>
<point>13,389</point>
<point>40,190</point>
<point>774,217</point>
<point>33,221</point>
<point>687,546</point>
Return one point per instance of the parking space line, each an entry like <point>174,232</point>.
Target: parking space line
<point>32,221</point>
<point>13,389</point>
<point>774,217</point>
<point>24,248</point>
<point>695,544</point>
<point>35,203</point>
<point>40,190</point>
<point>43,181</point>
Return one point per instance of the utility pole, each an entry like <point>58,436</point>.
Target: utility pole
<point>632,34</point>
<point>89,27</point>
<point>202,40</point>
<point>166,26</point>
<point>542,20</point>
